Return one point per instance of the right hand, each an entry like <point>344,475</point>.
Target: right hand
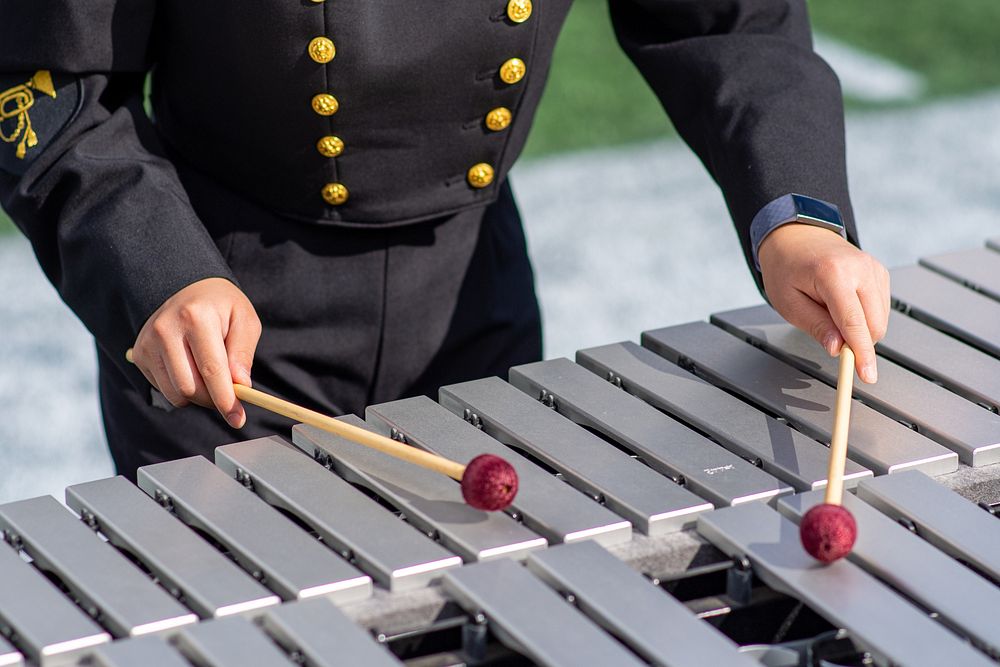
<point>198,343</point>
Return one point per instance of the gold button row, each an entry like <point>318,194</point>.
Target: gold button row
<point>330,146</point>
<point>335,194</point>
<point>513,70</point>
<point>480,175</point>
<point>321,49</point>
<point>498,119</point>
<point>518,11</point>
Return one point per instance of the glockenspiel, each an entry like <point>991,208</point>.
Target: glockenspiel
<point>661,484</point>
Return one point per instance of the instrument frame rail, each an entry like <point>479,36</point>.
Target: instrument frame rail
<point>965,601</point>
<point>877,442</point>
<point>394,554</point>
<point>532,619</point>
<point>544,503</point>
<point>948,306</point>
<point>961,426</point>
<point>892,629</point>
<point>664,444</point>
<point>430,502</point>
<point>145,651</point>
<point>781,450</point>
<point>111,589</point>
<point>622,484</point>
<point>261,540</point>
<point>942,517</point>
<point>191,569</point>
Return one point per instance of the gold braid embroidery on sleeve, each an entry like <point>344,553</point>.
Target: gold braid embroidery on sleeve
<point>15,103</point>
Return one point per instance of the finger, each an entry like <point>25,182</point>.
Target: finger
<point>164,384</point>
<point>241,343</point>
<point>849,316</point>
<point>182,373</point>
<point>876,311</point>
<point>803,312</point>
<point>209,352</point>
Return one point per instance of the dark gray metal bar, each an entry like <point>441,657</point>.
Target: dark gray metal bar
<point>966,601</point>
<point>323,635</point>
<point>782,451</point>
<point>188,566</point>
<point>530,618</point>
<point>429,501</point>
<point>229,642</point>
<point>941,516</point>
<point>893,630</point>
<point>948,306</point>
<point>667,446</point>
<point>270,546</point>
<point>9,656</point>
<point>977,269</point>
<point>963,369</point>
<point>50,629</point>
<point>548,505</point>
<point>115,592</point>
<point>149,651</point>
<point>876,441</point>
<point>391,552</point>
<point>619,599</point>
<point>627,487</point>
<point>963,427</point>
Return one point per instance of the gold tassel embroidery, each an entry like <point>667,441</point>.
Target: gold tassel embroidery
<point>15,103</point>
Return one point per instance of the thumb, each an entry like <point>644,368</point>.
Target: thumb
<point>241,344</point>
<point>813,318</point>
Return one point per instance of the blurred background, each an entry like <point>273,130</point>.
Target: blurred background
<point>626,229</point>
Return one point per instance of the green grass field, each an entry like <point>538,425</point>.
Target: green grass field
<point>596,98</point>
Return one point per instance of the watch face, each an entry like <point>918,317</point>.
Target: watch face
<point>808,207</point>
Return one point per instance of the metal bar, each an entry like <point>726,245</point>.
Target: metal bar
<point>964,600</point>
<point>530,618</point>
<point>113,590</point>
<point>233,641</point>
<point>262,541</point>
<point>940,516</point>
<point>429,501</point>
<point>880,621</point>
<point>948,306</point>
<point>977,269</point>
<point>47,627</point>
<point>961,426</point>
<point>877,442</point>
<point>667,446</point>
<point>950,362</point>
<point>626,604</point>
<point>323,635</point>
<point>185,564</point>
<point>590,464</point>
<point>9,656</point>
<point>547,505</point>
<point>369,536</point>
<point>782,451</point>
<point>148,651</point>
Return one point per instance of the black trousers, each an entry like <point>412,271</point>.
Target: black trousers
<point>350,317</point>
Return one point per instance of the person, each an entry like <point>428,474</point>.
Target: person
<point>318,201</point>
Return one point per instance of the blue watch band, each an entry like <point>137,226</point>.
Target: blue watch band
<point>793,208</point>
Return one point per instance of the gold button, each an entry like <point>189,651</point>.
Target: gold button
<point>518,11</point>
<point>480,175</point>
<point>322,50</point>
<point>325,104</point>
<point>335,194</point>
<point>499,118</point>
<point>513,70</point>
<point>330,146</point>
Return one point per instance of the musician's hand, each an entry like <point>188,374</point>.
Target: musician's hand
<point>828,288</point>
<point>200,341</point>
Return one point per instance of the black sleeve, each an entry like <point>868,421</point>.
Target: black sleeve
<point>745,90</point>
<point>82,173</point>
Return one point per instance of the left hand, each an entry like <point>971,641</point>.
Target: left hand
<point>828,288</point>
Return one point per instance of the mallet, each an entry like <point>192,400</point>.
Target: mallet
<point>828,530</point>
<point>488,482</point>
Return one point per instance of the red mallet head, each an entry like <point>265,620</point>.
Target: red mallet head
<point>489,483</point>
<point>828,532</point>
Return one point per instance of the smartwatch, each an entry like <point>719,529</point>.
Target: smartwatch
<point>794,208</point>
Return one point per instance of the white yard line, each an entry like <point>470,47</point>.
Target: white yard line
<point>623,240</point>
<point>867,77</point>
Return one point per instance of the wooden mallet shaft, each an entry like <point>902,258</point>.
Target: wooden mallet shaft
<point>353,433</point>
<point>841,425</point>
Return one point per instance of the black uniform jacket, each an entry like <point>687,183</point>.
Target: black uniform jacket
<point>384,120</point>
